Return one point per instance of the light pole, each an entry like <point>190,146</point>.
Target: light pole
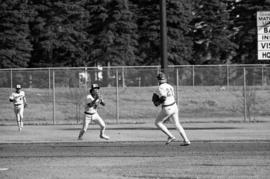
<point>163,36</point>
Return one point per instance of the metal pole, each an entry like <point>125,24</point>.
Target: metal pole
<point>228,76</point>
<point>53,81</point>
<point>11,80</point>
<point>245,95</point>
<point>123,77</point>
<point>163,35</point>
<point>117,96</point>
<point>193,75</point>
<point>262,77</point>
<point>177,84</point>
<point>49,78</point>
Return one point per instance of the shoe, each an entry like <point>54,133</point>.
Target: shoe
<point>80,138</point>
<point>170,139</point>
<point>19,129</point>
<point>185,143</point>
<point>104,137</point>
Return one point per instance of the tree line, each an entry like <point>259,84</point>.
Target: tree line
<point>52,33</point>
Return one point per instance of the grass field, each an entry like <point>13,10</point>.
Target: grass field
<point>135,106</point>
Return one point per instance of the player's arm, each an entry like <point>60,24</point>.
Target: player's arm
<point>11,98</point>
<point>92,101</point>
<point>24,101</point>
<point>163,94</point>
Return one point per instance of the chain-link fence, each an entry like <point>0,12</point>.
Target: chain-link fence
<point>204,93</point>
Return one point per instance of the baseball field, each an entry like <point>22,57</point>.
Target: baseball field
<point>224,150</point>
<point>223,144</point>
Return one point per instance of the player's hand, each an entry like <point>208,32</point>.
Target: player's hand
<point>25,105</point>
<point>102,102</point>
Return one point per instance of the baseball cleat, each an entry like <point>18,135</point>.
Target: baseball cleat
<point>170,139</point>
<point>185,143</point>
<point>104,137</point>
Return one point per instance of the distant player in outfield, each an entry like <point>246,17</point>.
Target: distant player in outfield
<point>19,101</point>
<point>93,100</point>
<point>165,97</point>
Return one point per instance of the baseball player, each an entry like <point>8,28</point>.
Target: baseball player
<point>93,100</point>
<point>19,101</point>
<point>165,97</point>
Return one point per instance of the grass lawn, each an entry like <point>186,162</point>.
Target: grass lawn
<point>134,104</point>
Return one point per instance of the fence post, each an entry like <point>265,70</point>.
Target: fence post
<point>193,75</point>
<point>228,76</point>
<point>49,71</point>
<point>177,84</point>
<point>123,77</point>
<point>11,79</point>
<point>262,77</point>
<point>53,81</point>
<point>245,95</point>
<point>117,96</point>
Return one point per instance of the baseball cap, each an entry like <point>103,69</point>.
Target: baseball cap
<point>18,86</point>
<point>161,76</point>
<point>94,86</point>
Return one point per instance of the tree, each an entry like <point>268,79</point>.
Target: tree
<point>58,34</point>
<point>112,29</point>
<point>179,42</point>
<point>148,22</point>
<point>243,15</point>
<point>211,33</point>
<point>15,46</point>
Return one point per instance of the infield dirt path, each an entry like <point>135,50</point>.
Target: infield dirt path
<point>114,160</point>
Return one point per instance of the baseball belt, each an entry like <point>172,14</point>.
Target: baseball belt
<point>168,105</point>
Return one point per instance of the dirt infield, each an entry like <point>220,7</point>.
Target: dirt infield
<point>218,150</point>
<point>116,160</point>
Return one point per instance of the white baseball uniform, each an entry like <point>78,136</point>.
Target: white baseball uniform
<point>169,110</point>
<point>91,113</point>
<point>19,101</point>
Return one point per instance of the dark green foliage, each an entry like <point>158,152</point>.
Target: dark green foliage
<point>59,35</point>
<point>211,32</point>
<point>179,42</point>
<point>15,46</point>
<point>113,32</point>
<point>51,33</point>
<point>245,28</point>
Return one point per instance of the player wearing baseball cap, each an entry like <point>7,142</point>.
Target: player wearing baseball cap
<point>165,97</point>
<point>19,102</point>
<point>93,100</point>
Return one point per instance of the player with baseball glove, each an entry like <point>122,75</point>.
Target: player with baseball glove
<point>19,102</point>
<point>93,100</point>
<point>165,97</point>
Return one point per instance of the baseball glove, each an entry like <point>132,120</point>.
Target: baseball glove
<point>155,99</point>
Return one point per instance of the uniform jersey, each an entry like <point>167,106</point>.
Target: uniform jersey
<point>92,109</point>
<point>166,90</point>
<point>18,98</point>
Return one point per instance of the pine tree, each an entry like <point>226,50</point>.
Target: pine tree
<point>15,46</point>
<point>179,42</point>
<point>148,21</point>
<point>243,15</point>
<point>112,30</point>
<point>59,34</point>
<point>211,32</point>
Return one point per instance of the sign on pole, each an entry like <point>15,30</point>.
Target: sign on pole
<point>263,29</point>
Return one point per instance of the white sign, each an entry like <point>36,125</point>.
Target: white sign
<point>263,29</point>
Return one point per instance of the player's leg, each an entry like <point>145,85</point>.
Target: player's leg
<point>179,127</point>
<point>163,116</point>
<point>17,115</point>
<point>87,120</point>
<point>102,125</point>
<point>21,110</point>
